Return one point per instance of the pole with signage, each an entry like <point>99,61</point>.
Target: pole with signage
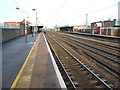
<point>25,31</point>
<point>36,22</point>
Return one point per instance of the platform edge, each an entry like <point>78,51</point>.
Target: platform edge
<point>60,79</point>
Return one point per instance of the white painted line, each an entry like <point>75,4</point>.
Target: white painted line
<point>61,81</point>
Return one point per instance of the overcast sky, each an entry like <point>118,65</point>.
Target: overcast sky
<point>59,12</point>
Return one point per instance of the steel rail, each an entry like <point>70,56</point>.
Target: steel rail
<point>114,54</point>
<point>72,83</point>
<point>116,71</point>
<point>105,84</point>
<point>114,60</point>
<point>98,43</point>
<point>98,60</point>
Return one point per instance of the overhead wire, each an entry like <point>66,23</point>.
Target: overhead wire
<point>92,12</point>
<point>88,5</point>
<point>103,8</point>
<point>21,8</point>
<point>61,7</point>
<point>54,6</point>
<point>105,16</point>
<point>99,10</point>
<point>67,1</point>
<point>53,9</point>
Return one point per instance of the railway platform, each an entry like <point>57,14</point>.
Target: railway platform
<point>39,69</point>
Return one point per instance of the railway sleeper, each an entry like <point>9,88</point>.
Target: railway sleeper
<point>66,67</point>
<point>95,82</point>
<point>105,80</point>
<point>70,74</point>
<point>68,70</point>
<point>86,65</point>
<point>76,83</point>
<point>85,72</point>
<point>99,75</point>
<point>88,76</point>
<point>64,64</point>
<point>91,77</point>
<point>79,66</point>
<point>99,86</point>
<point>74,61</point>
<point>72,77</point>
<point>70,87</point>
<point>68,84</point>
<point>82,69</point>
<point>110,84</point>
<point>76,64</point>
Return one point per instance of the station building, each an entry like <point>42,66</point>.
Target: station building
<point>66,29</point>
<point>18,25</point>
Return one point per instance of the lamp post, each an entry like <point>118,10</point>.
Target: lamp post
<point>25,32</point>
<point>25,27</point>
<point>35,21</point>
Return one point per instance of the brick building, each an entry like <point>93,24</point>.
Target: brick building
<point>21,26</point>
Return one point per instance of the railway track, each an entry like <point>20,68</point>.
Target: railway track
<point>76,74</point>
<point>110,68</point>
<point>94,46</point>
<point>108,46</point>
<point>97,37</point>
<point>107,54</point>
<point>113,70</point>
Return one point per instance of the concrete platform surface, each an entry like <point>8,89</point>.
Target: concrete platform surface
<point>40,70</point>
<point>14,53</point>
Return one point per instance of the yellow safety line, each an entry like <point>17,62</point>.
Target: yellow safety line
<point>21,70</point>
